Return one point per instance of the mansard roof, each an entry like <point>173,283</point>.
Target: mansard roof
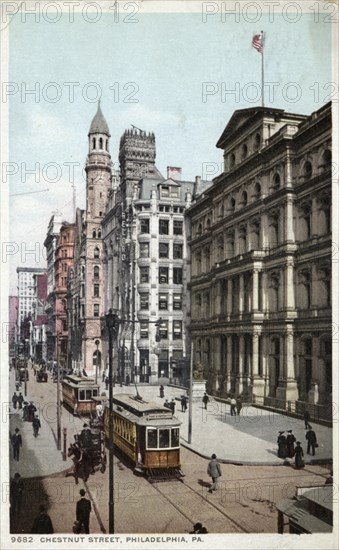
<point>99,124</point>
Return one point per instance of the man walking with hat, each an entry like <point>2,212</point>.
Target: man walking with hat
<point>83,511</point>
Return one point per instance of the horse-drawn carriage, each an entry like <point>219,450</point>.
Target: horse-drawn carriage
<point>89,458</point>
<point>41,376</point>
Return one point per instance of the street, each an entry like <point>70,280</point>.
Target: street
<point>244,502</point>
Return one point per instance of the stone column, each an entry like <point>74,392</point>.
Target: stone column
<point>289,389</point>
<point>264,290</point>
<point>258,382</point>
<point>241,293</point>
<point>314,287</point>
<point>314,217</point>
<point>229,296</point>
<point>239,384</point>
<point>255,290</point>
<point>289,235</point>
<point>289,285</point>
<point>264,231</point>
<point>229,362</point>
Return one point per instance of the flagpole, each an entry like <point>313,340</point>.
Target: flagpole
<point>262,70</point>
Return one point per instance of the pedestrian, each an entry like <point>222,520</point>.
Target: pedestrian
<point>17,386</point>
<point>307,419</point>
<point>298,456</point>
<point>20,400</point>
<point>16,490</point>
<point>183,403</point>
<point>42,524</point>
<point>282,445</point>
<point>205,400</point>
<point>290,440</point>
<point>25,411</point>
<point>162,392</point>
<point>36,425</point>
<point>239,404</point>
<point>233,406</point>
<point>31,410</point>
<point>166,404</point>
<point>172,406</point>
<point>103,376</point>
<point>83,511</point>
<point>198,529</point>
<point>14,400</point>
<point>214,471</point>
<point>16,440</point>
<point>311,441</point>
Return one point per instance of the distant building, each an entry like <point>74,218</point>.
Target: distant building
<point>261,262</point>
<point>26,296</point>
<point>38,336</point>
<point>13,305</point>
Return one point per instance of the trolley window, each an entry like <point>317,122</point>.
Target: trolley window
<point>82,395</point>
<point>95,393</point>
<point>88,395</point>
<point>164,438</point>
<point>152,438</point>
<point>175,437</point>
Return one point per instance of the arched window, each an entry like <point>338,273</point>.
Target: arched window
<point>242,240</point>
<point>107,145</point>
<point>307,170</point>
<point>96,252</point>
<point>276,181</point>
<point>244,198</point>
<point>274,292</point>
<point>220,248</point>
<point>100,143</point>
<point>208,223</point>
<point>94,143</point>
<point>274,229</point>
<point>305,222</point>
<point>232,160</point>
<point>304,294</point>
<point>199,231</point>
<point>198,261</point>
<point>221,210</point>
<point>96,272</point>
<point>94,234</point>
<point>257,191</point>
<point>99,233</point>
<point>257,141</point>
<point>255,235</point>
<point>324,282</point>
<point>230,245</point>
<point>232,204</point>
<point>244,151</point>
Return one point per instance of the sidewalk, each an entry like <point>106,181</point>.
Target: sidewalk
<point>246,439</point>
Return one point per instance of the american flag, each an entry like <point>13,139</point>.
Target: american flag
<point>258,42</point>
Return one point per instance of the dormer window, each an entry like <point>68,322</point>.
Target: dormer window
<point>101,143</point>
<point>94,143</point>
<point>169,191</point>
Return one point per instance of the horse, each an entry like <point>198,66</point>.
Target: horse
<point>80,463</point>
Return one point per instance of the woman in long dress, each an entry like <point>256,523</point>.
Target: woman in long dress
<point>282,445</point>
<point>299,456</point>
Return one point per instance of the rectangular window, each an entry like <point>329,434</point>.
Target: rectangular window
<point>164,438</point>
<point>64,325</point>
<point>144,300</point>
<point>88,395</point>
<point>177,227</point>
<point>163,227</point>
<point>82,395</point>
<point>144,250</point>
<point>96,310</point>
<point>177,330</point>
<point>175,437</point>
<point>152,438</point>
<point>144,274</point>
<point>163,330</point>
<point>144,225</point>
<point>177,275</point>
<point>163,301</point>
<point>164,191</point>
<point>163,250</point>
<point>177,301</point>
<point>96,291</point>
<point>144,330</point>
<point>163,275</point>
<point>177,251</point>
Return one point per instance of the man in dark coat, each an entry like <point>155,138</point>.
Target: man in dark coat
<point>15,496</point>
<point>83,511</point>
<point>16,441</point>
<point>31,410</point>
<point>20,400</point>
<point>14,400</point>
<point>36,425</point>
<point>42,524</point>
<point>311,441</point>
<point>183,403</point>
<point>290,440</point>
<point>172,406</point>
<point>205,400</point>
<point>25,411</point>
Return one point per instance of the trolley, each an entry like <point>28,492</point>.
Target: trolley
<point>147,434</point>
<point>78,393</point>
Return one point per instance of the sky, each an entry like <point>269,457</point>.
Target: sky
<point>166,73</point>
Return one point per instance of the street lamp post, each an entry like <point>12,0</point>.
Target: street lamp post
<point>112,325</point>
<point>97,342</point>
<point>190,397</point>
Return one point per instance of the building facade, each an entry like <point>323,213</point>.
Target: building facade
<point>261,261</point>
<point>13,306</point>
<point>86,280</point>
<point>64,261</point>
<point>26,295</point>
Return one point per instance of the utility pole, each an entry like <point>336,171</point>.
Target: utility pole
<point>58,397</point>
<point>190,397</point>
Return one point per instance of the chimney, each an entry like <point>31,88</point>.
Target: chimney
<point>197,180</point>
<point>174,173</point>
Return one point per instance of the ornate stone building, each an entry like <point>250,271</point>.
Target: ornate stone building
<point>146,262</point>
<point>261,261</point>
